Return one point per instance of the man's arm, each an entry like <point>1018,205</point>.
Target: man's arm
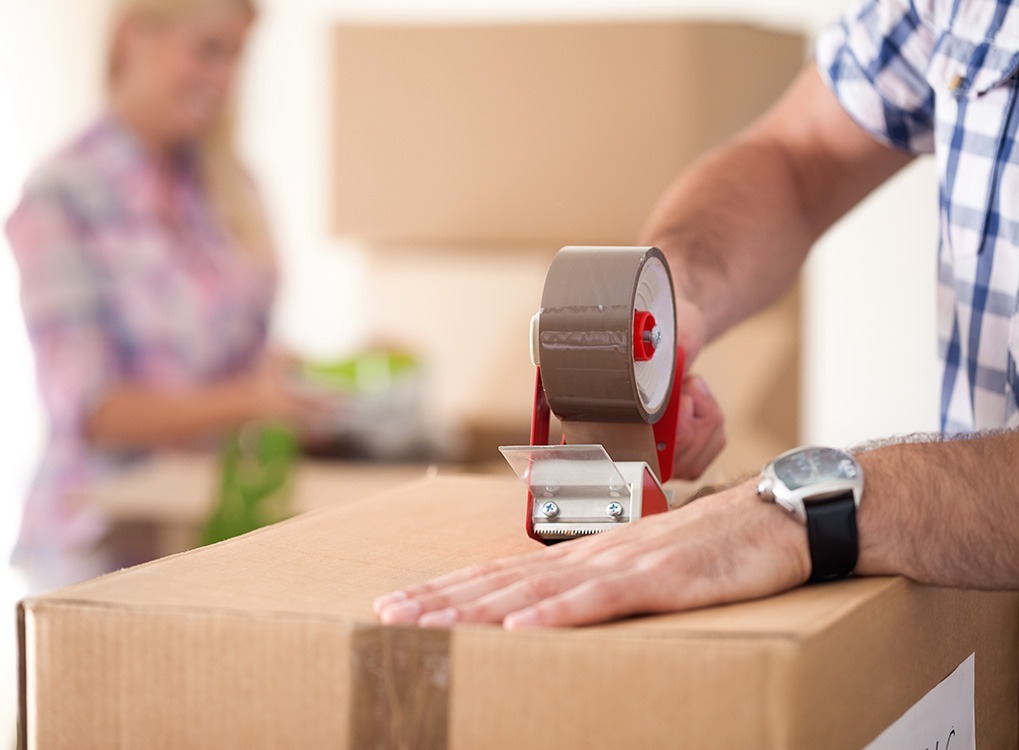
<point>737,225</point>
<point>943,513</point>
<point>736,228</point>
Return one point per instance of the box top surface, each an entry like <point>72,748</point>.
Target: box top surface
<point>332,563</point>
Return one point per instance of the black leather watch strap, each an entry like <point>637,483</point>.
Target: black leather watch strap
<point>832,536</point>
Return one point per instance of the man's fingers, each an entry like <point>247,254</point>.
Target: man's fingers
<point>699,463</point>
<point>449,579</point>
<point>705,407</point>
<point>579,548</point>
<point>498,603</point>
<point>595,600</point>
<point>700,434</point>
<point>695,458</point>
<point>479,571</point>
<point>685,429</point>
<point>476,589</point>
<point>487,593</point>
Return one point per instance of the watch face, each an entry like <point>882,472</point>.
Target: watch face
<point>813,465</point>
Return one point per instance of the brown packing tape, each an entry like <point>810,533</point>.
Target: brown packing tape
<point>22,729</point>
<point>585,347</point>
<point>400,683</point>
<point>622,441</point>
<point>585,337</point>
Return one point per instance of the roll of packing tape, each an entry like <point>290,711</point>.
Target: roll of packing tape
<point>594,383</point>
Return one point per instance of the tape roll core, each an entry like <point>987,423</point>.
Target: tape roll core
<point>585,334</point>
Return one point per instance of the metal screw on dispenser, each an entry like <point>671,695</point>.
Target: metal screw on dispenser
<point>550,509</point>
<point>614,509</point>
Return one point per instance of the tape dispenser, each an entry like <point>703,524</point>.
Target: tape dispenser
<point>604,348</point>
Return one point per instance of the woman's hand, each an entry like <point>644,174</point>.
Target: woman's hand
<point>272,393</point>
<point>727,547</point>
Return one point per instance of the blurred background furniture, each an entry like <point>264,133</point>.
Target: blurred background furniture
<point>169,497</point>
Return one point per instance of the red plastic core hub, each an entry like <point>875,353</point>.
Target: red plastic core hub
<point>644,336</point>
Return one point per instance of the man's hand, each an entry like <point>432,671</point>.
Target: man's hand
<point>700,433</point>
<point>727,547</point>
<point>700,429</point>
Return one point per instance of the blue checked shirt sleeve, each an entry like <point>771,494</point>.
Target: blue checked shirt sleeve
<point>874,60</point>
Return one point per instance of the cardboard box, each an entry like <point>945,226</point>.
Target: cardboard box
<point>267,641</point>
<point>495,135</point>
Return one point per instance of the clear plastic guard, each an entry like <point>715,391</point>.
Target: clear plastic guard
<point>580,470</point>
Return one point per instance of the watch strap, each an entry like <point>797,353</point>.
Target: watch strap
<point>832,536</point>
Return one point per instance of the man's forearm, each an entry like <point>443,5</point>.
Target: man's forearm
<point>734,231</point>
<point>737,225</point>
<point>945,513</point>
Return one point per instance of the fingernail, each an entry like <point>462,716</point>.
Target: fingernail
<point>702,385</point>
<point>525,618</point>
<point>401,612</point>
<point>442,618</point>
<point>384,601</point>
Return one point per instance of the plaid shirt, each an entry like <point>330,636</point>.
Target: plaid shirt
<point>110,293</point>
<point>939,76</point>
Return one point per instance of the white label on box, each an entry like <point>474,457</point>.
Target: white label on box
<point>941,720</point>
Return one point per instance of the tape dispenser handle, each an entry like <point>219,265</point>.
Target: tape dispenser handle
<point>665,428</point>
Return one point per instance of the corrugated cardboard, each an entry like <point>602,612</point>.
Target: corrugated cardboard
<point>267,641</point>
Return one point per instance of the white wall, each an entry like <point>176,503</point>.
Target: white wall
<point>870,367</point>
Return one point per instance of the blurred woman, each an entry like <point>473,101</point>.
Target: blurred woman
<point>147,276</point>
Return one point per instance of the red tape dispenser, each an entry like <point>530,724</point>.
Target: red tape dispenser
<point>607,365</point>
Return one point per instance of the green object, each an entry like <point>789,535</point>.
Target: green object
<point>254,491</point>
<point>366,372</point>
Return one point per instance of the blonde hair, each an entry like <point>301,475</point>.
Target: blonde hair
<point>230,191</point>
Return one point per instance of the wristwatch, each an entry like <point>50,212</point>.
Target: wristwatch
<point>822,488</point>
